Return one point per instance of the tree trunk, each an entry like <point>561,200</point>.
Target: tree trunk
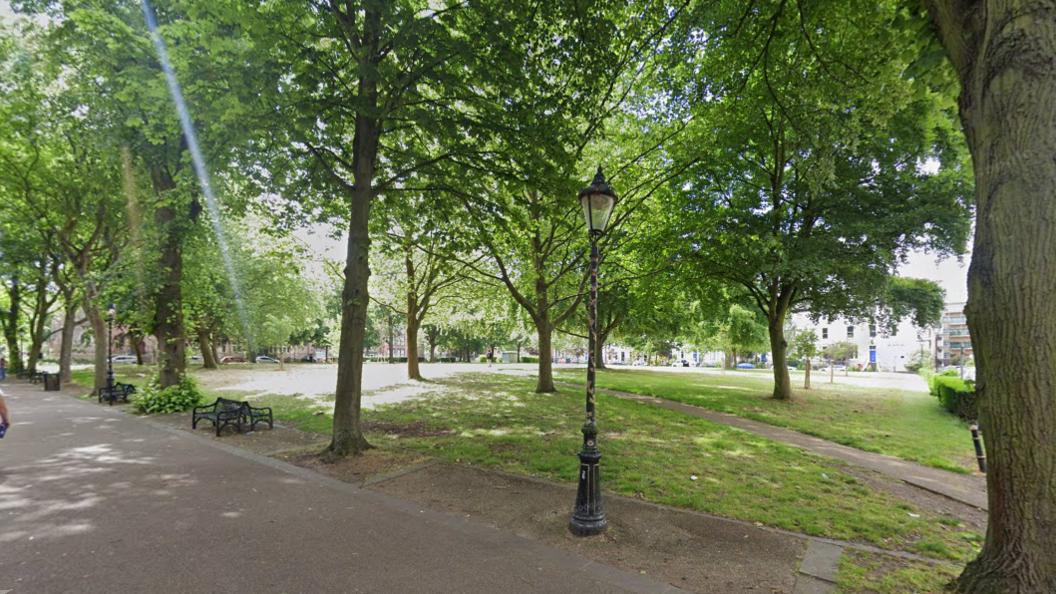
<point>545,383</point>
<point>599,363</point>
<point>348,434</point>
<point>11,319</point>
<point>1004,53</point>
<point>206,347</point>
<point>412,348</point>
<point>779,352</point>
<point>806,378</point>
<point>168,316</point>
<point>99,332</point>
<point>69,324</point>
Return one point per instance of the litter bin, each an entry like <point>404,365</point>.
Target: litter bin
<point>51,382</point>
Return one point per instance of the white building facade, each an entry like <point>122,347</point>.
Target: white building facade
<point>889,351</point>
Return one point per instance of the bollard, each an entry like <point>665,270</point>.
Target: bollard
<point>978,448</point>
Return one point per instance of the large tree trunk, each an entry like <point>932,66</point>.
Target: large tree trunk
<point>69,324</point>
<point>412,348</point>
<point>1005,55</point>
<point>101,338</point>
<point>599,362</point>
<point>545,383</point>
<point>412,324</point>
<point>168,313</point>
<point>11,319</point>
<point>348,434</point>
<point>779,352</point>
<point>206,347</point>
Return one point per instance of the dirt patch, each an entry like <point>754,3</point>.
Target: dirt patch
<point>972,517</point>
<point>405,430</point>
<point>261,441</point>
<point>664,544</point>
<point>355,469</point>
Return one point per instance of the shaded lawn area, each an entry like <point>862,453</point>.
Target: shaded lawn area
<point>652,454</point>
<point>905,424</point>
<point>137,375</point>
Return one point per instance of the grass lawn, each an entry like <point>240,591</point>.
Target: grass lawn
<point>908,425</point>
<point>653,454</point>
<point>867,573</point>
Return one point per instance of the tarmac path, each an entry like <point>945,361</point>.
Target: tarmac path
<point>93,500</point>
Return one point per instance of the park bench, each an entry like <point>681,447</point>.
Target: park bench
<point>225,412</point>
<point>258,414</point>
<point>120,390</point>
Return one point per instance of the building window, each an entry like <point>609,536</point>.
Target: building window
<point>824,332</point>
<point>850,331</point>
<point>872,330</point>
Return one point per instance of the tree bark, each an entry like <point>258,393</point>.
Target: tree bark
<point>69,324</point>
<point>806,378</point>
<point>206,347</point>
<point>545,383</point>
<point>1004,53</point>
<point>99,333</point>
<point>779,352</point>
<point>168,312</point>
<point>413,372</point>
<point>348,434</point>
<point>11,318</point>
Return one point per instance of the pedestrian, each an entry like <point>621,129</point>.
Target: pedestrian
<point>490,355</point>
<point>3,368</point>
<point>5,420</point>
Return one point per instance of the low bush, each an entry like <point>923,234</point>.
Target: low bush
<point>527,359</point>
<point>154,400</point>
<point>955,395</point>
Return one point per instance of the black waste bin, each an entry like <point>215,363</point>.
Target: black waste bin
<point>51,382</point>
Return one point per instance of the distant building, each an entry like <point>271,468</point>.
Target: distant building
<point>955,343</point>
<point>889,351</point>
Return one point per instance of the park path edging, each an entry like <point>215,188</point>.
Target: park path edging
<point>968,489</point>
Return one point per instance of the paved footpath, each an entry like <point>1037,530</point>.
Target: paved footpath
<point>969,489</point>
<point>93,500</point>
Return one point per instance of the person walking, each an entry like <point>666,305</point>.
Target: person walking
<point>5,420</point>
<point>3,368</point>
<point>490,356</point>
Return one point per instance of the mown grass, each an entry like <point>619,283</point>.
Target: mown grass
<point>867,573</point>
<point>653,454</point>
<point>908,425</point>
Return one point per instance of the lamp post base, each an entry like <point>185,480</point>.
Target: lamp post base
<point>588,517</point>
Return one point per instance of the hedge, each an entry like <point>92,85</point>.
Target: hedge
<point>527,359</point>
<point>955,395</point>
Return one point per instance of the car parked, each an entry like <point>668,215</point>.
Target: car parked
<point>839,368</point>
<point>124,359</point>
<point>233,360</point>
<point>263,359</point>
<point>745,366</point>
<point>308,359</point>
<point>196,359</point>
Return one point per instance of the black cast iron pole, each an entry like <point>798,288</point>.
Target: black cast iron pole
<point>110,356</point>
<point>588,518</point>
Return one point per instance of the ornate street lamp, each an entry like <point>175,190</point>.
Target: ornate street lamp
<point>110,315</point>
<point>588,518</point>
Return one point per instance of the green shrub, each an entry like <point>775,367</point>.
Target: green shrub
<point>154,400</point>
<point>483,359</point>
<point>527,359</point>
<point>956,395</point>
